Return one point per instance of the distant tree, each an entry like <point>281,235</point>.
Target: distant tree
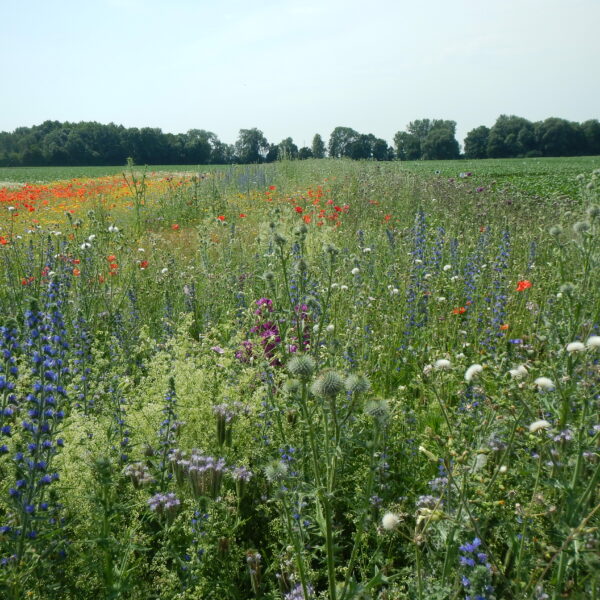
<point>251,146</point>
<point>408,146</point>
<point>287,150</point>
<point>318,147</point>
<point>558,137</point>
<point>380,150</point>
<point>422,127</point>
<point>361,147</point>
<point>304,153</point>
<point>272,153</point>
<point>198,146</point>
<point>510,136</point>
<point>591,132</point>
<point>341,140</point>
<point>476,142</point>
<point>440,144</point>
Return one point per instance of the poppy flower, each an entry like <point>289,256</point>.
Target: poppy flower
<point>221,218</point>
<point>175,227</point>
<point>306,219</point>
<point>242,216</point>
<point>144,264</point>
<point>272,188</point>
<point>523,285</point>
<point>461,310</point>
<point>76,272</point>
<point>298,209</point>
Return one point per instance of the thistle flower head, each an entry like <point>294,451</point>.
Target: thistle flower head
<point>328,384</point>
<point>593,342</point>
<point>442,364</point>
<point>537,425</point>
<point>575,347</point>
<point>302,366</point>
<point>581,227</point>
<point>357,384</point>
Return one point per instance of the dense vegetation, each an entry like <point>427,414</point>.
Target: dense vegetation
<point>76,144</point>
<point>317,379</point>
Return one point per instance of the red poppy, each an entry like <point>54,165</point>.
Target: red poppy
<point>111,258</point>
<point>306,219</point>
<point>461,310</point>
<point>272,188</point>
<point>175,227</point>
<point>144,264</point>
<point>298,209</point>
<point>387,217</point>
<point>221,218</point>
<point>523,285</point>
<point>242,216</point>
<point>76,272</point>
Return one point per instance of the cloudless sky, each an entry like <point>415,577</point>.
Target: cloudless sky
<point>297,67</point>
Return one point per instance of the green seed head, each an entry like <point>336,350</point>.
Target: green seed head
<point>291,387</point>
<point>379,410</point>
<point>556,230</point>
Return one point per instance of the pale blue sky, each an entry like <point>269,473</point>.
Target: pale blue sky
<point>295,68</point>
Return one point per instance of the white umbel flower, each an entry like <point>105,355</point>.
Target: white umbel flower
<point>355,271</point>
<point>593,342</point>
<point>472,372</point>
<point>390,521</point>
<point>519,372</point>
<point>545,384</point>
<point>575,347</point>
<point>537,425</point>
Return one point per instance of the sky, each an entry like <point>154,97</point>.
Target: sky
<point>297,67</point>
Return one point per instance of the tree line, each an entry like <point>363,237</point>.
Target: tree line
<point>89,143</point>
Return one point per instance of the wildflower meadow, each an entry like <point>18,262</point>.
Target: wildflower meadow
<point>303,380</point>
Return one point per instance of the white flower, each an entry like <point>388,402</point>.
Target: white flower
<point>141,250</point>
<point>330,327</point>
<point>395,291</point>
<point>442,364</point>
<point>355,271</point>
<point>91,238</point>
<point>544,383</point>
<point>390,521</point>
<point>366,250</point>
<point>454,278</point>
<point>472,372</point>
<point>427,369</point>
<point>441,299</point>
<point>164,271</point>
<point>593,342</point>
<point>537,425</point>
<point>418,261</point>
<point>113,229</point>
<point>85,245</point>
<point>575,347</point>
<point>427,276</point>
<point>447,267</point>
<point>11,208</point>
<point>519,372</point>
<point>343,287</point>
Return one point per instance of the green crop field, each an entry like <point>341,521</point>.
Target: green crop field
<point>314,379</point>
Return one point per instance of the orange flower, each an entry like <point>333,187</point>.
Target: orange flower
<point>523,285</point>
<point>306,219</point>
<point>242,216</point>
<point>461,310</point>
<point>221,218</point>
<point>76,272</point>
<point>387,217</point>
<point>504,327</point>
<point>111,258</point>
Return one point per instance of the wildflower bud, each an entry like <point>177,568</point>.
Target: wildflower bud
<point>302,366</point>
<point>430,455</point>
<point>328,384</point>
<point>331,250</point>
<point>269,276</point>
<point>301,265</point>
<point>567,288</point>
<point>357,384</point>
<point>581,227</point>
<point>593,212</point>
<point>379,410</point>
<point>556,230</point>
<point>291,387</point>
<point>280,240</point>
